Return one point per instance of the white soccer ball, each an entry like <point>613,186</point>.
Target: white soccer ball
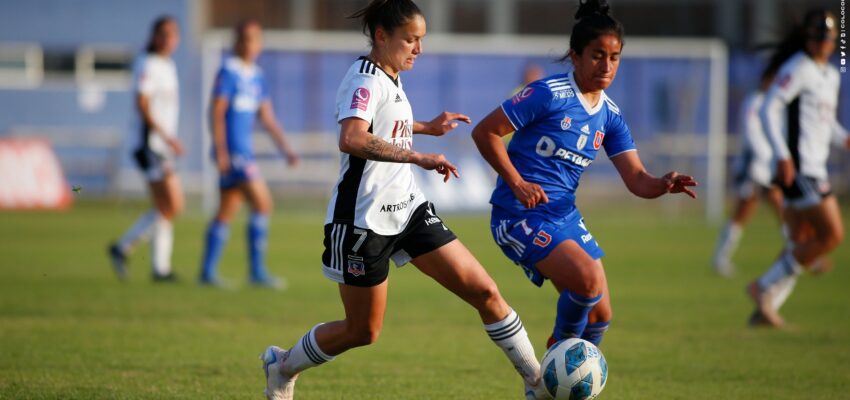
<point>574,369</point>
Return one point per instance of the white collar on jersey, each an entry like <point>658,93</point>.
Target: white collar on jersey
<point>587,108</point>
<point>236,64</point>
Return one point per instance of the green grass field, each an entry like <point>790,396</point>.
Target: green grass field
<point>69,330</point>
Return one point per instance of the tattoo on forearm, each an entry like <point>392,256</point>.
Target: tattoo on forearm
<point>379,150</point>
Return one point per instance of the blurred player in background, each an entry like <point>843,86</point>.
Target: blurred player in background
<point>378,213</point>
<point>157,101</point>
<point>753,177</point>
<point>799,116</point>
<point>241,95</point>
<point>561,122</point>
<point>530,73</point>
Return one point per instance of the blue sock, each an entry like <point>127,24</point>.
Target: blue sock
<point>217,234</point>
<point>593,332</point>
<point>572,314</point>
<point>258,227</point>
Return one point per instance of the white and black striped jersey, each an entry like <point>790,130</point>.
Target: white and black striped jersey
<point>799,114</point>
<point>756,160</point>
<point>375,195</point>
<point>156,78</point>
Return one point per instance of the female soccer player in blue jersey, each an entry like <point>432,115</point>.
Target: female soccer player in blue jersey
<point>377,213</point>
<point>239,96</point>
<point>157,103</point>
<point>561,122</point>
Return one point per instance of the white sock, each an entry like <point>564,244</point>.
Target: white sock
<point>785,267</point>
<point>305,354</point>
<point>783,289</point>
<point>142,229</point>
<point>161,246</point>
<point>510,335</point>
<point>728,242</point>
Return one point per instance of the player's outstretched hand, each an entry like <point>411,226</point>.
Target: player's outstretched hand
<point>445,122</point>
<point>785,172</point>
<point>437,162</point>
<point>679,183</point>
<point>529,194</point>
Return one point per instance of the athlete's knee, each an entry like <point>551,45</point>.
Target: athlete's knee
<point>591,280</point>
<point>363,334</point>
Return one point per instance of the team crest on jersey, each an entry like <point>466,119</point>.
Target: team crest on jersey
<point>360,99</point>
<point>524,94</point>
<point>356,266</point>
<point>597,140</point>
<point>581,142</point>
<point>566,123</point>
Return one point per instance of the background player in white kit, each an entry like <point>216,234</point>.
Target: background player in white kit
<point>799,116</point>
<point>754,173</point>
<point>157,101</point>
<point>377,212</point>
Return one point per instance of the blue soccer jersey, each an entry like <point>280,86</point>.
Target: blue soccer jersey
<point>557,136</point>
<point>244,86</point>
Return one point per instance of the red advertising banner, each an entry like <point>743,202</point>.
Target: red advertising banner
<point>31,176</point>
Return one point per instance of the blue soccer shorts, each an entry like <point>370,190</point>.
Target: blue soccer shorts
<point>241,170</point>
<point>527,239</point>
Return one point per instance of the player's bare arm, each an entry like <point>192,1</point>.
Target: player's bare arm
<point>143,104</point>
<point>643,184</point>
<point>441,124</point>
<point>218,113</point>
<point>272,125</point>
<point>355,139</point>
<point>488,137</point>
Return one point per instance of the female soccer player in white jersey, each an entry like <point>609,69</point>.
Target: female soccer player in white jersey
<point>239,96</point>
<point>157,102</point>
<point>378,213</point>
<point>799,116</point>
<point>561,122</point>
<point>753,177</point>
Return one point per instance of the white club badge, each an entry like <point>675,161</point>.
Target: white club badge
<point>582,140</point>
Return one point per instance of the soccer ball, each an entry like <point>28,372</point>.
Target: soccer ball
<point>574,369</point>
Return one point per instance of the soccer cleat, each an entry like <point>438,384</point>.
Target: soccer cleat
<point>757,320</point>
<point>216,283</point>
<point>278,385</point>
<point>119,261</point>
<point>723,268</point>
<point>764,307</point>
<point>269,282</point>
<point>536,392</point>
<point>170,277</point>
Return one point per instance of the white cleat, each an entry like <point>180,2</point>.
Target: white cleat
<point>536,392</point>
<point>278,385</point>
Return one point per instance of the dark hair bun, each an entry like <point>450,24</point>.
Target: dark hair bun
<point>589,7</point>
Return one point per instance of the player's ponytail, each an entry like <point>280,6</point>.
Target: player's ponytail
<point>386,14</point>
<point>593,20</point>
<point>154,40</point>
<point>814,27</point>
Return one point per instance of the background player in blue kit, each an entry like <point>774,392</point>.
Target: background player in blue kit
<point>239,96</point>
<point>561,122</point>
